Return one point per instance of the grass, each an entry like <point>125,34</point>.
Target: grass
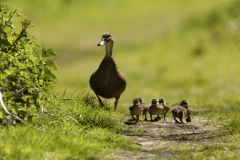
<point>68,129</point>
<point>172,49</point>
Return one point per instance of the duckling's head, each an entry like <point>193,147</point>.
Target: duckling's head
<point>136,101</point>
<point>161,100</point>
<point>184,103</point>
<point>154,101</point>
<point>106,37</point>
<point>140,100</point>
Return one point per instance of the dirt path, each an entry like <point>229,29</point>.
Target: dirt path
<point>157,138</point>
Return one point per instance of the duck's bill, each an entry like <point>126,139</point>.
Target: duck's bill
<point>101,43</point>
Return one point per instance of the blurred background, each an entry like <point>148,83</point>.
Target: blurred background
<point>175,49</point>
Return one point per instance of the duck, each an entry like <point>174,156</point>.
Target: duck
<point>182,111</point>
<point>155,109</point>
<point>144,107</point>
<point>107,81</point>
<point>136,109</point>
<point>166,107</point>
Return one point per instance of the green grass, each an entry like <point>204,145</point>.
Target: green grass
<point>178,50</point>
<point>220,144</point>
<point>68,129</point>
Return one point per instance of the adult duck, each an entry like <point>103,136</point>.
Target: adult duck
<point>107,81</point>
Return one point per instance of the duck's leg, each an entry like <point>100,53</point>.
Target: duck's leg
<point>181,121</point>
<point>100,101</point>
<point>116,102</point>
<point>157,118</point>
<point>175,118</point>
<point>133,117</point>
<point>137,117</point>
<point>151,117</point>
<point>145,117</point>
<point>188,119</point>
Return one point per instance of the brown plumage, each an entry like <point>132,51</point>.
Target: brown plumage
<point>138,108</point>
<point>155,109</point>
<point>182,111</point>
<point>107,81</point>
<point>145,108</point>
<point>165,109</point>
<point>135,109</point>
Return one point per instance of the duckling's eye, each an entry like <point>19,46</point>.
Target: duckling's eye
<point>136,102</point>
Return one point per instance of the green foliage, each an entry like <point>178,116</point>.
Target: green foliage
<point>26,71</point>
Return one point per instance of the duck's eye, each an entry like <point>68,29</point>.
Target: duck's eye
<point>107,39</point>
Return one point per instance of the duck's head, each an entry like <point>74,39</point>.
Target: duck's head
<point>184,103</point>
<point>136,101</point>
<point>106,37</point>
<point>140,100</point>
<point>154,101</point>
<point>161,100</point>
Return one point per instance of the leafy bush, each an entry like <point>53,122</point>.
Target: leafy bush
<point>25,72</point>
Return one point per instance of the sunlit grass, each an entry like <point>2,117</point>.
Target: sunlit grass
<point>72,128</point>
<point>172,49</point>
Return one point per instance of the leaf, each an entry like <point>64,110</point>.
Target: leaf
<point>28,48</point>
<point>24,22</point>
<point>35,45</point>
<point>10,25</point>
<point>19,15</point>
<point>10,39</point>
<point>21,73</point>
<point>5,18</point>
<point>51,65</point>
<point>7,30</point>
<point>35,70</point>
<point>20,65</point>
<point>47,52</point>
<point>33,25</point>
<point>1,64</point>
<point>8,72</point>
<point>4,57</point>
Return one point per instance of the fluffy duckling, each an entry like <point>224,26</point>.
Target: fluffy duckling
<point>155,109</point>
<point>144,108</point>
<point>182,111</point>
<point>166,107</point>
<point>136,109</point>
<point>107,81</point>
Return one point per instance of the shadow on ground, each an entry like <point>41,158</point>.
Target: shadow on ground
<point>156,139</point>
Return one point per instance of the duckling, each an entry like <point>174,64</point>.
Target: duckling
<point>136,108</point>
<point>182,111</point>
<point>166,107</point>
<point>185,104</point>
<point>107,81</point>
<point>155,109</point>
<point>144,108</point>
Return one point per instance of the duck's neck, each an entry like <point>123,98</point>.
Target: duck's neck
<point>109,46</point>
